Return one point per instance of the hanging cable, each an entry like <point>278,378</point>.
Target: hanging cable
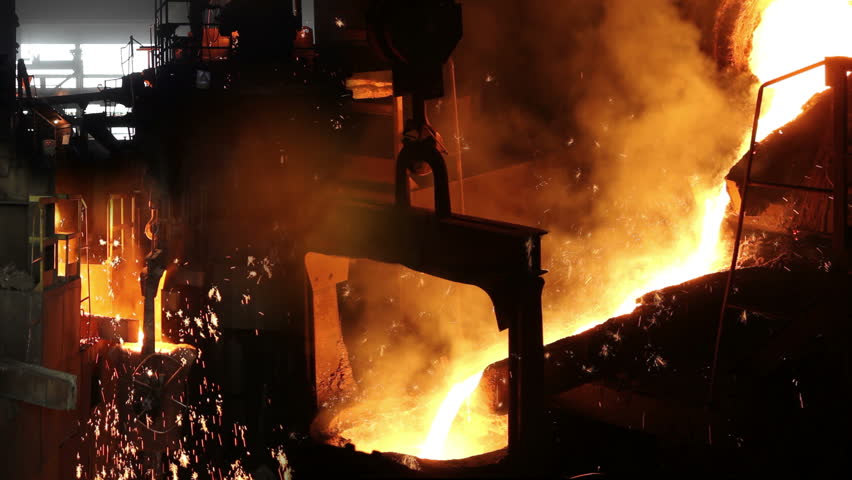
<point>459,170</point>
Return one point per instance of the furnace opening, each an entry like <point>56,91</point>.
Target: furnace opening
<point>403,348</point>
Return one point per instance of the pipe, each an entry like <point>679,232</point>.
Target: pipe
<point>150,280</point>
<point>297,11</point>
<point>459,170</point>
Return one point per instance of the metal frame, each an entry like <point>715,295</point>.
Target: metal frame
<point>124,208</point>
<point>502,259</point>
<point>837,69</point>
<point>164,49</point>
<point>45,242</point>
<point>78,73</point>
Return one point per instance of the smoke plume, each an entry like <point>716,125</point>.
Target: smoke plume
<point>629,129</point>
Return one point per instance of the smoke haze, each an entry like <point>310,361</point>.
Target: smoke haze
<point>632,130</point>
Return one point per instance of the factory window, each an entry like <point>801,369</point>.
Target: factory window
<point>96,82</point>
<point>112,59</point>
<point>93,82</point>
<point>74,66</point>
<point>117,110</point>
<point>47,52</point>
<point>51,71</point>
<point>94,108</point>
<point>56,82</point>
<point>123,133</point>
<point>112,110</point>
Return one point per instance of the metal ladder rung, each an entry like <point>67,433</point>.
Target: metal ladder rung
<point>837,77</point>
<point>784,186</point>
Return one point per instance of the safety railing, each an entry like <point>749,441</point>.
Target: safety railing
<point>55,239</point>
<point>837,77</point>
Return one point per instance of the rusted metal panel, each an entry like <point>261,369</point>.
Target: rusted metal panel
<point>333,373</point>
<point>71,329</point>
<point>20,326</point>
<point>60,327</point>
<point>38,385</point>
<point>52,320</point>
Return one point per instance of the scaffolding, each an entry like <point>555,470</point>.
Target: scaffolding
<point>171,34</point>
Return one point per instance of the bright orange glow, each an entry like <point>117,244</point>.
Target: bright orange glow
<point>437,430</point>
<point>58,221</point>
<point>159,346</point>
<point>445,424</point>
<point>64,222</point>
<point>699,253</point>
<point>435,443</point>
<point>114,288</point>
<point>62,257</point>
<point>793,34</point>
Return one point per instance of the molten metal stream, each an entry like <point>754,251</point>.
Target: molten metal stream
<point>708,254</point>
<point>436,441</point>
<point>160,345</point>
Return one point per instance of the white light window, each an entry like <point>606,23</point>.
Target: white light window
<point>93,82</point>
<point>119,110</point>
<point>112,59</point>
<point>59,82</point>
<point>102,59</point>
<point>123,133</point>
<point>95,108</point>
<point>47,52</point>
<point>54,72</point>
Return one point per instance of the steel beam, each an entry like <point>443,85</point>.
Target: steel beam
<point>502,259</point>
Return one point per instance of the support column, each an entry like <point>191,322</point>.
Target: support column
<point>836,69</point>
<point>526,379</point>
<point>150,280</point>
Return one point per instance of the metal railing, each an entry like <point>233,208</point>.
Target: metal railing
<point>168,46</point>
<point>837,78</point>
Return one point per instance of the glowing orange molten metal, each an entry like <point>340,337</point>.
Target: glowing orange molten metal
<point>159,346</point>
<point>696,253</point>
<point>793,34</point>
<point>435,443</point>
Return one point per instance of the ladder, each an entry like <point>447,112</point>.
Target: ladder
<point>837,77</point>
